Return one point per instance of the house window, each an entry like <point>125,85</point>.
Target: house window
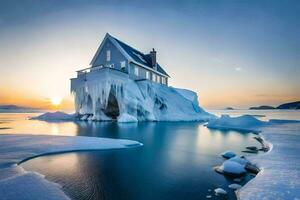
<point>147,75</point>
<point>154,77</point>
<point>123,64</point>
<point>163,80</point>
<point>108,55</point>
<point>136,71</point>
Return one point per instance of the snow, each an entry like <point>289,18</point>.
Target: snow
<point>16,183</point>
<point>239,160</point>
<point>228,154</point>
<point>220,191</point>
<point>279,177</point>
<point>233,168</point>
<point>144,100</point>
<point>235,186</point>
<point>127,118</point>
<point>241,123</point>
<point>55,116</point>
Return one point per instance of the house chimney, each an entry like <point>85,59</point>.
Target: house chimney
<point>153,59</point>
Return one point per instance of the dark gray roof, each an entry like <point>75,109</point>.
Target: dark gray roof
<point>139,57</point>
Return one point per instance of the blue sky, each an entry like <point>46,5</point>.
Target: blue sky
<point>232,53</point>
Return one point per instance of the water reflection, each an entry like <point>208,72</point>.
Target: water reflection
<point>175,162</point>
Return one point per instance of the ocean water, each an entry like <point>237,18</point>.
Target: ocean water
<point>176,161</point>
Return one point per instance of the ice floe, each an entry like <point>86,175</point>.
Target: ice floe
<point>55,116</point>
<point>16,183</point>
<point>228,154</point>
<point>280,174</point>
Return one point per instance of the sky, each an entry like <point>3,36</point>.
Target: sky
<point>232,53</point>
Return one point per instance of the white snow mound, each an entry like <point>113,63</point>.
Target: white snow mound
<point>16,183</point>
<point>241,123</point>
<point>234,168</point>
<point>55,116</point>
<point>127,118</point>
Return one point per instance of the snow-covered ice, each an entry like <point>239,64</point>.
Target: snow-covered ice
<point>241,123</point>
<point>112,94</point>
<point>16,183</point>
<point>280,174</point>
<point>220,191</point>
<point>127,118</point>
<point>55,116</point>
<point>234,186</point>
<point>232,168</point>
<point>228,154</point>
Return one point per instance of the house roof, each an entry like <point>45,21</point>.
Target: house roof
<point>137,56</point>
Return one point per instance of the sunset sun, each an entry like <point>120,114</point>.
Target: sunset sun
<point>55,101</point>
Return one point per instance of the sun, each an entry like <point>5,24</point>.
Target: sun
<point>55,101</point>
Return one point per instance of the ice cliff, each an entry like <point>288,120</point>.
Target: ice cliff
<point>112,95</point>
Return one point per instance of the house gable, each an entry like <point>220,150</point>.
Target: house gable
<point>131,54</point>
<point>116,56</point>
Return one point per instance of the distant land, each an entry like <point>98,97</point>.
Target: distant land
<point>292,105</point>
<point>262,108</point>
<point>17,109</point>
<point>229,108</point>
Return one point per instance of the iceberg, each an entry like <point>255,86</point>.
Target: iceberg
<point>16,183</point>
<point>55,116</point>
<point>110,94</point>
<point>242,123</point>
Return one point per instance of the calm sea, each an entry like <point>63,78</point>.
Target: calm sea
<point>176,161</point>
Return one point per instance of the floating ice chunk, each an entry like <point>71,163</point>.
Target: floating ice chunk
<point>220,191</point>
<point>241,123</point>
<point>55,116</point>
<point>234,186</point>
<point>228,154</point>
<point>232,168</point>
<point>239,160</point>
<point>127,118</point>
<point>208,196</point>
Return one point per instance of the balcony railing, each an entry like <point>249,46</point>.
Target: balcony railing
<point>85,71</point>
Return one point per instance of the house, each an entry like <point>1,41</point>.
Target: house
<point>125,84</point>
<point>115,54</point>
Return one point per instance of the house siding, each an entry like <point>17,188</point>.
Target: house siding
<point>116,57</point>
<point>142,74</point>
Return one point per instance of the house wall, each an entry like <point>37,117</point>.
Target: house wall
<point>116,57</point>
<point>142,74</point>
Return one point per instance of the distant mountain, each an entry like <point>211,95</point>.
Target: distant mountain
<point>15,108</point>
<point>262,108</point>
<point>229,108</point>
<point>292,105</point>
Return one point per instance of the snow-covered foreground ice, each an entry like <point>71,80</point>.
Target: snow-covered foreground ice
<point>280,174</point>
<point>16,183</point>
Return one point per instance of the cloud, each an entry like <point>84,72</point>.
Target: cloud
<point>238,69</point>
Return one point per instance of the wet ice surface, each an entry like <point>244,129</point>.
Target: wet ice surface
<point>280,178</point>
<point>280,174</point>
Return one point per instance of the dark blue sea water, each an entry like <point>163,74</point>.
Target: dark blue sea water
<point>175,162</point>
